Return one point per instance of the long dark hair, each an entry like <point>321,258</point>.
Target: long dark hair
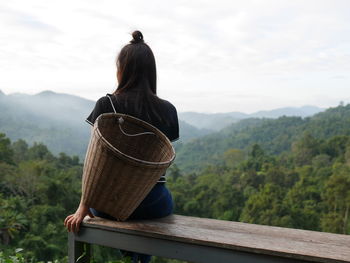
<point>138,79</point>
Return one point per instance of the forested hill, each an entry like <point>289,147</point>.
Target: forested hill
<point>305,188</point>
<point>273,135</point>
<point>57,120</point>
<point>293,172</point>
<point>217,121</point>
<point>51,118</point>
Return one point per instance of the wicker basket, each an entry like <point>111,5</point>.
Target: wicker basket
<point>125,158</point>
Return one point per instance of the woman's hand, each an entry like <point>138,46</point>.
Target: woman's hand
<point>72,222</point>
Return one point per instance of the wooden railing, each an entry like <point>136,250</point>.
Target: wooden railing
<point>209,241</point>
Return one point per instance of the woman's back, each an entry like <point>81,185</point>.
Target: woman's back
<point>169,126</point>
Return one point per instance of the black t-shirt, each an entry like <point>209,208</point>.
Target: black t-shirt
<point>171,129</point>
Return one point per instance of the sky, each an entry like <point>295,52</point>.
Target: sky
<point>212,56</point>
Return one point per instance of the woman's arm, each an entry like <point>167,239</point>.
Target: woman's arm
<point>72,222</point>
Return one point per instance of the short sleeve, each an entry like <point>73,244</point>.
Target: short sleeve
<point>174,134</point>
<point>97,111</point>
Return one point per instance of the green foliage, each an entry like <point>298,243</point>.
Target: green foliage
<point>233,157</point>
<point>12,220</point>
<point>275,136</point>
<point>303,200</point>
<point>16,258</point>
<point>337,200</point>
<point>6,153</point>
<point>37,191</point>
<point>305,149</point>
<point>265,207</point>
<point>306,187</point>
<point>289,172</point>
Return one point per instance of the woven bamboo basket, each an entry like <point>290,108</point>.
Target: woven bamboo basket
<point>125,158</point>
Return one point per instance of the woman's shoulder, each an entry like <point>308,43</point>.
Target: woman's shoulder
<point>107,98</point>
<point>102,101</point>
<point>167,105</point>
<point>106,102</point>
<point>103,105</point>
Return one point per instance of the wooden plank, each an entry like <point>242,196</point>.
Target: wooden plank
<point>173,249</point>
<point>277,241</point>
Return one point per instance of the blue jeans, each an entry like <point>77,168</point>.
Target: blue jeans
<point>158,203</point>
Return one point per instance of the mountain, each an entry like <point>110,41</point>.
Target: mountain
<point>217,121</point>
<point>211,121</point>
<point>275,136</point>
<point>57,120</point>
<point>53,107</point>
<point>54,119</point>
<point>189,132</point>
<point>304,111</point>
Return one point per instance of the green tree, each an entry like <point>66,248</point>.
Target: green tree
<point>20,150</point>
<point>12,220</point>
<point>6,153</point>
<point>265,207</point>
<point>257,158</point>
<point>233,157</point>
<point>303,200</point>
<point>305,149</point>
<point>337,199</point>
<point>39,152</point>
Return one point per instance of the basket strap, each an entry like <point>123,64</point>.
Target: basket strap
<point>121,120</point>
<point>111,103</point>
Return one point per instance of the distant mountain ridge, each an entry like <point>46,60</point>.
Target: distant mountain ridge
<point>217,121</point>
<point>57,120</point>
<point>53,106</point>
<point>275,136</point>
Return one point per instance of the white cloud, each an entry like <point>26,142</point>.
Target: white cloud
<point>231,55</point>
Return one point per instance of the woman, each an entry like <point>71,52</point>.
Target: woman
<point>136,95</point>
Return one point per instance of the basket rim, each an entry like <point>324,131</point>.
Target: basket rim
<point>128,157</point>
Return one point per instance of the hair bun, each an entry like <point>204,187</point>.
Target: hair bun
<point>137,37</point>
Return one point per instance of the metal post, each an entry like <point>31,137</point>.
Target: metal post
<point>78,252</point>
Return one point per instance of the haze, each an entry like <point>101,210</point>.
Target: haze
<point>212,56</point>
